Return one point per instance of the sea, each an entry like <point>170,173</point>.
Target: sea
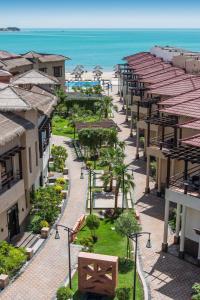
<point>90,47</point>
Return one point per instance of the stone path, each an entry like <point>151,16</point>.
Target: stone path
<point>168,276</point>
<point>49,268</point>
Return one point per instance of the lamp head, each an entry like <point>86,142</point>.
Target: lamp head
<point>57,236</point>
<point>149,245</point>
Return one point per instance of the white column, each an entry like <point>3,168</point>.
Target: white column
<point>159,170</point>
<point>137,142</point>
<point>127,106</point>
<point>182,242</point>
<point>147,189</point>
<point>166,220</point>
<point>178,222</point>
<point>131,131</point>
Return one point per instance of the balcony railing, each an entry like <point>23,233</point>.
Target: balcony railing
<point>10,179</point>
<point>189,185</point>
<point>167,143</point>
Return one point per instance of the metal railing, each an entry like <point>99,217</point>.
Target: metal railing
<point>10,180</point>
<point>189,185</point>
<point>168,142</point>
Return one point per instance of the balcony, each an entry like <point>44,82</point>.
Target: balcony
<point>167,142</point>
<point>8,180</point>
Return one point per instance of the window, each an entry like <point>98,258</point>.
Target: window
<point>44,70</point>
<point>30,159</point>
<point>36,154</point>
<point>57,71</point>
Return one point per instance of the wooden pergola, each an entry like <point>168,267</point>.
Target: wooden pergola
<point>107,123</point>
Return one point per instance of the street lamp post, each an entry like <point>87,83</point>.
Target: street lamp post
<point>123,184</point>
<point>91,172</point>
<point>69,233</point>
<point>134,237</point>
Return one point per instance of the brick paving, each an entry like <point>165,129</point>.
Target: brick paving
<point>48,270</point>
<point>167,276</point>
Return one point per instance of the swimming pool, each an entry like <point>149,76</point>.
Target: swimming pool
<point>71,84</point>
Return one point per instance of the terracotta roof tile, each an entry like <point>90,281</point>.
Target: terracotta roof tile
<point>187,109</point>
<point>192,141</point>
<point>174,89</point>
<point>155,67</point>
<point>181,98</point>
<point>171,73</point>
<point>192,125</point>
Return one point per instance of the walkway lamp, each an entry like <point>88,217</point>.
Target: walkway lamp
<point>90,172</point>
<point>70,232</point>
<point>134,237</point>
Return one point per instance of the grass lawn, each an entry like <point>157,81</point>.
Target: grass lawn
<point>62,126</point>
<point>110,243</point>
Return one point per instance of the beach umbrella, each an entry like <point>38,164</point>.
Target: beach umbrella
<point>98,67</point>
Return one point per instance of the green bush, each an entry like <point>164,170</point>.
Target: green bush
<point>59,154</point>
<point>11,258</point>
<point>93,223</point>
<point>35,224</point>
<point>153,167</point>
<point>196,289</point>
<point>58,188</point>
<point>142,140</point>
<point>64,293</point>
<point>46,203</point>
<point>60,181</point>
<point>44,223</point>
<point>87,242</point>
<point>123,293</point>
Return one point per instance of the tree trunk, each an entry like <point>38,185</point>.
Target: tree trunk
<point>116,194</point>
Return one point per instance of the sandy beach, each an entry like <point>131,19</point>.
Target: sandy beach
<point>107,75</point>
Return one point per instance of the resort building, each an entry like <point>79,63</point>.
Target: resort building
<point>25,117</point>
<point>164,102</point>
<point>51,64</point>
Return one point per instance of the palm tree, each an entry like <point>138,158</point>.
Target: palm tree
<point>110,157</point>
<point>123,179</point>
<point>62,97</point>
<point>106,107</point>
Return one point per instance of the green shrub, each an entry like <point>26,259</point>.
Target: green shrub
<point>43,223</point>
<point>87,242</point>
<point>60,181</point>
<point>142,140</point>
<point>125,265</point>
<point>64,293</point>
<point>93,223</point>
<point>35,223</point>
<point>196,289</point>
<point>59,154</point>
<point>123,293</point>
<point>58,188</point>
<point>11,258</point>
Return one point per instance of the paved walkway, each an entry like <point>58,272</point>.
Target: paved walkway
<point>49,267</point>
<point>168,276</point>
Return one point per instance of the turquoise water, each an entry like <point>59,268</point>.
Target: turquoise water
<point>91,47</point>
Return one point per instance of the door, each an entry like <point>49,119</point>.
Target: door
<point>13,221</point>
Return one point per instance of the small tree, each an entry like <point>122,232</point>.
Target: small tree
<point>196,289</point>
<point>125,225</point>
<point>93,223</point>
<point>64,293</point>
<point>59,154</point>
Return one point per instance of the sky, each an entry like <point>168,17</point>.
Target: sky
<point>100,13</point>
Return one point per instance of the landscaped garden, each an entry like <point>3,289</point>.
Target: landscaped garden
<point>11,259</point>
<point>107,237</point>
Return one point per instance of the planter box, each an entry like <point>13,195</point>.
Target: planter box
<point>45,232</point>
<point>4,281</point>
<point>65,171</point>
<point>29,252</point>
<point>64,194</point>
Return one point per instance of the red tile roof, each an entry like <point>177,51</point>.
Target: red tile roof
<point>188,109</point>
<point>137,56</point>
<point>174,89</point>
<point>145,64</point>
<point>151,69</point>
<point>192,141</point>
<point>181,98</point>
<point>170,81</point>
<point>193,125</point>
<point>171,73</point>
